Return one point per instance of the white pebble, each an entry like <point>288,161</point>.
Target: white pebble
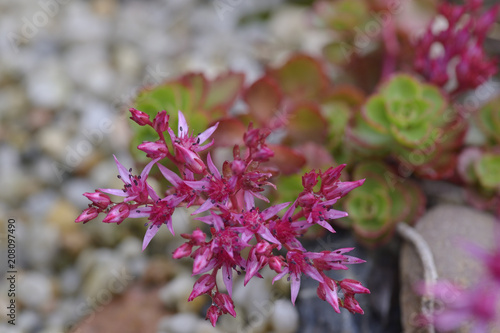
<point>176,290</point>
<point>34,289</point>
<point>285,317</point>
<point>179,323</point>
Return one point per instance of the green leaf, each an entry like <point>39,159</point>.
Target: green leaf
<point>301,78</point>
<point>488,171</point>
<point>408,113</point>
<point>305,123</point>
<point>375,114</point>
<point>222,92</point>
<point>434,98</point>
<point>289,187</point>
<point>411,137</point>
<point>402,87</point>
<point>263,98</point>
<point>287,160</point>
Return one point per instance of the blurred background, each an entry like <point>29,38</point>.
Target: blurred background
<point>68,71</point>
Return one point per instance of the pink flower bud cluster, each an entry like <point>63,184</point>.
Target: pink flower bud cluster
<point>458,49</point>
<point>239,237</point>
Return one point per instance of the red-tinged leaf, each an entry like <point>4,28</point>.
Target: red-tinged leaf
<point>305,123</point>
<point>222,91</point>
<point>348,94</point>
<point>302,78</point>
<point>287,160</point>
<point>316,155</point>
<point>199,87</point>
<point>443,167</point>
<point>229,133</point>
<point>263,98</point>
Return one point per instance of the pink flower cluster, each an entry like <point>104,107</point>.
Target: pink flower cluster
<point>239,237</point>
<point>479,304</point>
<point>462,52</point>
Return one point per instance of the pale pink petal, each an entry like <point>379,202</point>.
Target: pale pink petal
<point>203,208</point>
<point>122,171</point>
<point>259,196</point>
<point>280,275</point>
<point>313,272</point>
<point>249,200</point>
<point>294,286</point>
<point>213,169</point>
<point>183,126</point>
<point>327,226</point>
<point>147,169</point>
<point>169,175</point>
<point>150,233</point>
<point>334,214</point>
<point>140,212</point>
<point>170,226</point>
<point>207,133</point>
<point>271,211</point>
<point>199,185</point>
<point>227,275</point>
<point>153,194</point>
<point>267,235</point>
<point>113,191</point>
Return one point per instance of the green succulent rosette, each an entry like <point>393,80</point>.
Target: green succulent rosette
<point>488,121</point>
<point>384,200</point>
<point>409,120</point>
<point>480,170</point>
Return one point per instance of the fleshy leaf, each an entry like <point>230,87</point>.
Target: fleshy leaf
<point>301,78</point>
<point>287,160</point>
<point>488,171</point>
<point>263,98</point>
<point>229,133</point>
<point>305,123</point>
<point>222,91</point>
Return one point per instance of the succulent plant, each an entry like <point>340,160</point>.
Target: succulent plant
<point>383,200</point>
<point>480,170</point>
<point>203,101</point>
<point>462,43</point>
<point>408,120</point>
<point>488,121</point>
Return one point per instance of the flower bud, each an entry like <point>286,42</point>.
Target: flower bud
<point>182,251</point>
<point>87,215</point>
<point>141,118</point>
<point>117,214</point>
<point>160,123</point>
<point>99,199</point>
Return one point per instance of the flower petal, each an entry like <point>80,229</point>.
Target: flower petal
<point>203,208</point>
<point>150,233</point>
<point>271,211</point>
<point>207,133</point>
<point>227,276</point>
<point>122,171</point>
<point>294,286</point>
<point>213,169</point>
<point>113,191</point>
<point>169,175</point>
<point>147,169</point>
<point>183,126</point>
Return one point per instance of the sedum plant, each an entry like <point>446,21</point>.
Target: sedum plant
<point>238,236</point>
<point>480,170</point>
<point>382,202</point>
<point>407,120</point>
<point>488,121</point>
<point>462,64</point>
